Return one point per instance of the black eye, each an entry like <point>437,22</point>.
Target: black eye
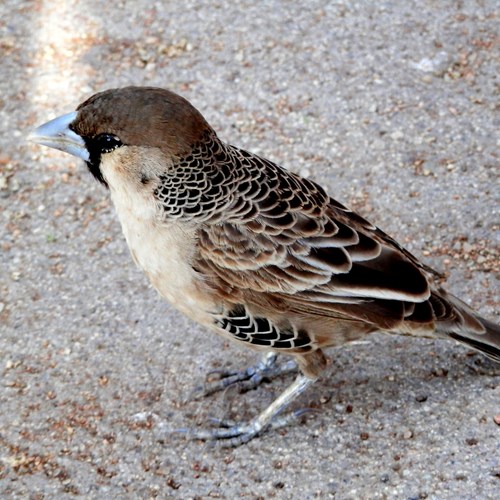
<point>107,142</point>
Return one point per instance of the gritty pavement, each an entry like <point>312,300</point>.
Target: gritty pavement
<point>392,106</point>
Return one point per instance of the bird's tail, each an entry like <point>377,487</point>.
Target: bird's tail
<point>461,323</point>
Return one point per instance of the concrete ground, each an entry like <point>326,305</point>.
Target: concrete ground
<point>393,106</point>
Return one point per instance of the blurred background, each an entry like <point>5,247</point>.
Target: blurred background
<point>392,106</point>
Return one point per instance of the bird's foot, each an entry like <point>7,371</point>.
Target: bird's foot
<point>230,434</point>
<point>246,380</point>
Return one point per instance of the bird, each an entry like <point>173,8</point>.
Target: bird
<point>250,250</point>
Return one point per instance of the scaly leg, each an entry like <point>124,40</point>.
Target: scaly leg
<point>236,434</point>
<point>265,369</point>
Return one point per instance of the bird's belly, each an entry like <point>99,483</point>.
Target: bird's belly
<point>164,253</point>
<point>163,250</point>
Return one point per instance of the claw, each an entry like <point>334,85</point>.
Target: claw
<point>252,377</point>
<point>230,434</point>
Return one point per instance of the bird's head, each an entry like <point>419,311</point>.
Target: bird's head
<point>139,122</point>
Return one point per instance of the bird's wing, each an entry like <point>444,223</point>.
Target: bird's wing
<point>301,248</point>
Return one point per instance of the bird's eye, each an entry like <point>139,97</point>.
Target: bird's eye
<point>107,142</point>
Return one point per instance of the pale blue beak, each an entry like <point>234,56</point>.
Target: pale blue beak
<point>57,134</point>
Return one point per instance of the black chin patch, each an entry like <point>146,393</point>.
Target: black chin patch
<point>97,146</point>
<point>94,161</point>
<point>95,170</point>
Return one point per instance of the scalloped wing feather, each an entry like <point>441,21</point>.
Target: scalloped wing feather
<point>319,257</point>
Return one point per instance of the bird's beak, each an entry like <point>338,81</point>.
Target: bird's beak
<point>57,134</point>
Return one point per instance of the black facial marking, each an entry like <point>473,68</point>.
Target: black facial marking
<point>97,146</point>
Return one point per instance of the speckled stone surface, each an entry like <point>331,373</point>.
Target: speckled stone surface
<point>393,106</point>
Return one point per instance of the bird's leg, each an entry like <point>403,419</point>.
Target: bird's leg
<point>232,434</point>
<point>251,377</point>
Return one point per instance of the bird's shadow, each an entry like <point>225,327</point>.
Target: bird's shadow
<point>360,378</point>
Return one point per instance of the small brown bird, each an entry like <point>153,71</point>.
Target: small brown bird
<point>248,249</point>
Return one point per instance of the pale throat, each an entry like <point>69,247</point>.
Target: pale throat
<point>164,250</point>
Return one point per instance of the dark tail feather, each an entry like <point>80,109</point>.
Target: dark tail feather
<point>470,329</point>
<point>487,343</point>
